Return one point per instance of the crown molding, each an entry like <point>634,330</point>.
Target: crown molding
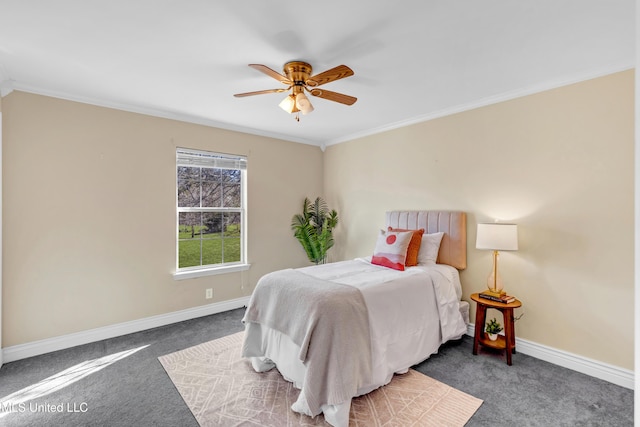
<point>8,85</point>
<point>155,113</point>
<point>495,99</point>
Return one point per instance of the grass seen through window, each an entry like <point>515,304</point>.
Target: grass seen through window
<point>215,248</point>
<point>210,203</point>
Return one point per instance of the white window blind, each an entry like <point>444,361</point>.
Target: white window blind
<point>210,160</point>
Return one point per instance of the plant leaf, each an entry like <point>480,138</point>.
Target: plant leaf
<point>313,228</point>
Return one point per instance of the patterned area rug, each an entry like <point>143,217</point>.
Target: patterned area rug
<point>222,389</point>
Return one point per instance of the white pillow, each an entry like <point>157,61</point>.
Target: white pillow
<point>391,249</point>
<point>429,248</point>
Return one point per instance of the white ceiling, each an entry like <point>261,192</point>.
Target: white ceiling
<point>413,60</point>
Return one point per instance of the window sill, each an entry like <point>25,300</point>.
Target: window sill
<point>202,272</point>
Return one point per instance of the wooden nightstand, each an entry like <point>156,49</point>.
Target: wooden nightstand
<point>506,342</point>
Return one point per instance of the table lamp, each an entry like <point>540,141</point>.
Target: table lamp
<point>497,237</point>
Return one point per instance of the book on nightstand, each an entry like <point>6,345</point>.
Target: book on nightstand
<point>505,299</point>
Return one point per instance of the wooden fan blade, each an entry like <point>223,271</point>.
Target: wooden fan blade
<point>269,72</point>
<point>334,96</point>
<point>260,92</point>
<point>336,73</point>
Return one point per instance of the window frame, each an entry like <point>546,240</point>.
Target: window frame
<point>221,268</point>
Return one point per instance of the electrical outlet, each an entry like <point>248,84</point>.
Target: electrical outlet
<point>209,293</point>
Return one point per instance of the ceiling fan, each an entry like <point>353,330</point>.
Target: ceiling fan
<point>297,76</point>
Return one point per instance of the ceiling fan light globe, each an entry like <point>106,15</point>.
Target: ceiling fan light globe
<point>308,109</point>
<point>303,103</point>
<point>288,104</point>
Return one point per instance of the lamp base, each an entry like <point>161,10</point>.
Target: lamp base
<point>494,281</point>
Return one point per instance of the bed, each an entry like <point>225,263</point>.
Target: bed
<point>341,330</point>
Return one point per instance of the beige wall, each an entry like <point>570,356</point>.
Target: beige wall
<point>89,236</point>
<point>557,163</point>
<point>89,214</point>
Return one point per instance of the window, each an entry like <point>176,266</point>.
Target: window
<point>211,203</point>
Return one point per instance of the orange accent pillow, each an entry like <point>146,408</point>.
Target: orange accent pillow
<point>414,245</point>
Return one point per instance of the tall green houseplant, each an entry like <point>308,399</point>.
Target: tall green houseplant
<point>313,229</point>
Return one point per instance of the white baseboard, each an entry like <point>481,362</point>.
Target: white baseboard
<point>604,371</point>
<point>22,351</point>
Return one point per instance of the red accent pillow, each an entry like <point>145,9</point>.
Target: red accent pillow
<point>414,245</point>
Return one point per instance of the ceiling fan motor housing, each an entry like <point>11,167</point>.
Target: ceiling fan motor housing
<point>298,72</point>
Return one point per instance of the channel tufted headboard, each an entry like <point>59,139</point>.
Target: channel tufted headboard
<point>453,249</point>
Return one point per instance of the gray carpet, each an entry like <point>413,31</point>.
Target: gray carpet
<point>136,391</point>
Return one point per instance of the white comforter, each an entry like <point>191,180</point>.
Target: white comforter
<point>411,313</point>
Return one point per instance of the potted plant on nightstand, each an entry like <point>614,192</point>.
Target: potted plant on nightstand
<point>493,329</point>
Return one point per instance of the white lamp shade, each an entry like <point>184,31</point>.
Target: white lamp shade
<point>288,104</point>
<point>497,237</point>
<point>303,103</point>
